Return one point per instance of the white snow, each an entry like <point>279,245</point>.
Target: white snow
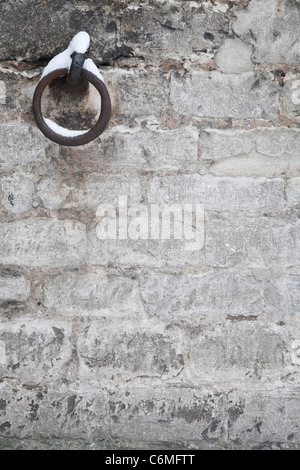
<point>91,67</point>
<point>63,60</point>
<point>62,130</point>
<point>60,61</point>
<point>80,43</point>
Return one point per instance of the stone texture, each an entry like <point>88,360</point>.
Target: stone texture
<point>36,351</point>
<point>202,296</point>
<point>218,194</point>
<point>259,242</point>
<point>172,30</point>
<point>283,294</point>
<point>118,351</point>
<point>92,294</point>
<point>84,192</point>
<point>265,420</point>
<point>291,96</point>
<point>293,193</point>
<point>203,94</point>
<point>149,253</point>
<point>14,288</point>
<point>137,94</point>
<point>38,242</point>
<point>144,149</point>
<point>17,193</point>
<point>234,57</point>
<point>255,152</point>
<point>272,30</point>
<point>74,414</point>
<point>184,415</point>
<point>248,350</point>
<point>21,146</point>
<point>48,28</point>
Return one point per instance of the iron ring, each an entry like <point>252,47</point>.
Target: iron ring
<point>85,137</point>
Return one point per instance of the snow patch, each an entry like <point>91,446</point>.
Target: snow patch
<point>62,130</point>
<point>80,43</point>
<point>90,66</point>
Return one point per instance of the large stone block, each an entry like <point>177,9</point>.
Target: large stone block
<point>142,149</point>
<point>175,416</point>
<point>47,28</point>
<point>293,193</point>
<point>291,96</point>
<point>206,296</point>
<point>236,352</point>
<point>150,253</point>
<point>92,294</point>
<point>234,57</point>
<point>174,30</point>
<point>271,28</point>
<point>218,194</point>
<point>270,152</point>
<point>218,95</point>
<point>137,93</point>
<point>283,295</point>
<point>265,421</point>
<point>121,351</point>
<point>35,351</point>
<point>14,288</point>
<point>87,192</point>
<point>21,146</point>
<point>42,242</point>
<point>252,243</point>
<point>48,414</point>
<point>17,191</point>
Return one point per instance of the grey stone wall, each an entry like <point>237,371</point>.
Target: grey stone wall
<point>141,343</point>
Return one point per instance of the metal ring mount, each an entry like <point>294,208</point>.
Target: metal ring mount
<point>86,137</point>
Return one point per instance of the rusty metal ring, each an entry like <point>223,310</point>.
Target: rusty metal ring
<point>87,136</point>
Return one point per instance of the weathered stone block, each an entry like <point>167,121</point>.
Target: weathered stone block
<point>252,243</point>
<point>218,194</point>
<point>36,351</point>
<point>2,92</point>
<point>167,414</point>
<point>83,192</point>
<point>293,193</point>
<point>270,152</point>
<point>217,95</point>
<point>172,31</point>
<point>123,352</point>
<point>272,30</point>
<point>137,93</point>
<point>265,420</point>
<point>234,56</point>
<point>92,294</point>
<point>14,288</point>
<point>236,352</point>
<point>47,28</point>
<point>291,96</point>
<point>42,242</point>
<point>143,149</point>
<point>17,191</point>
<point>283,294</point>
<point>21,147</point>
<point>207,295</point>
<point>43,413</point>
<point>141,253</point>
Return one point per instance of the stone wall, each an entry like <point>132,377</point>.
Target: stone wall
<point>129,344</point>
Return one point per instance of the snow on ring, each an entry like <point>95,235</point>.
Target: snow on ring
<point>80,43</point>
